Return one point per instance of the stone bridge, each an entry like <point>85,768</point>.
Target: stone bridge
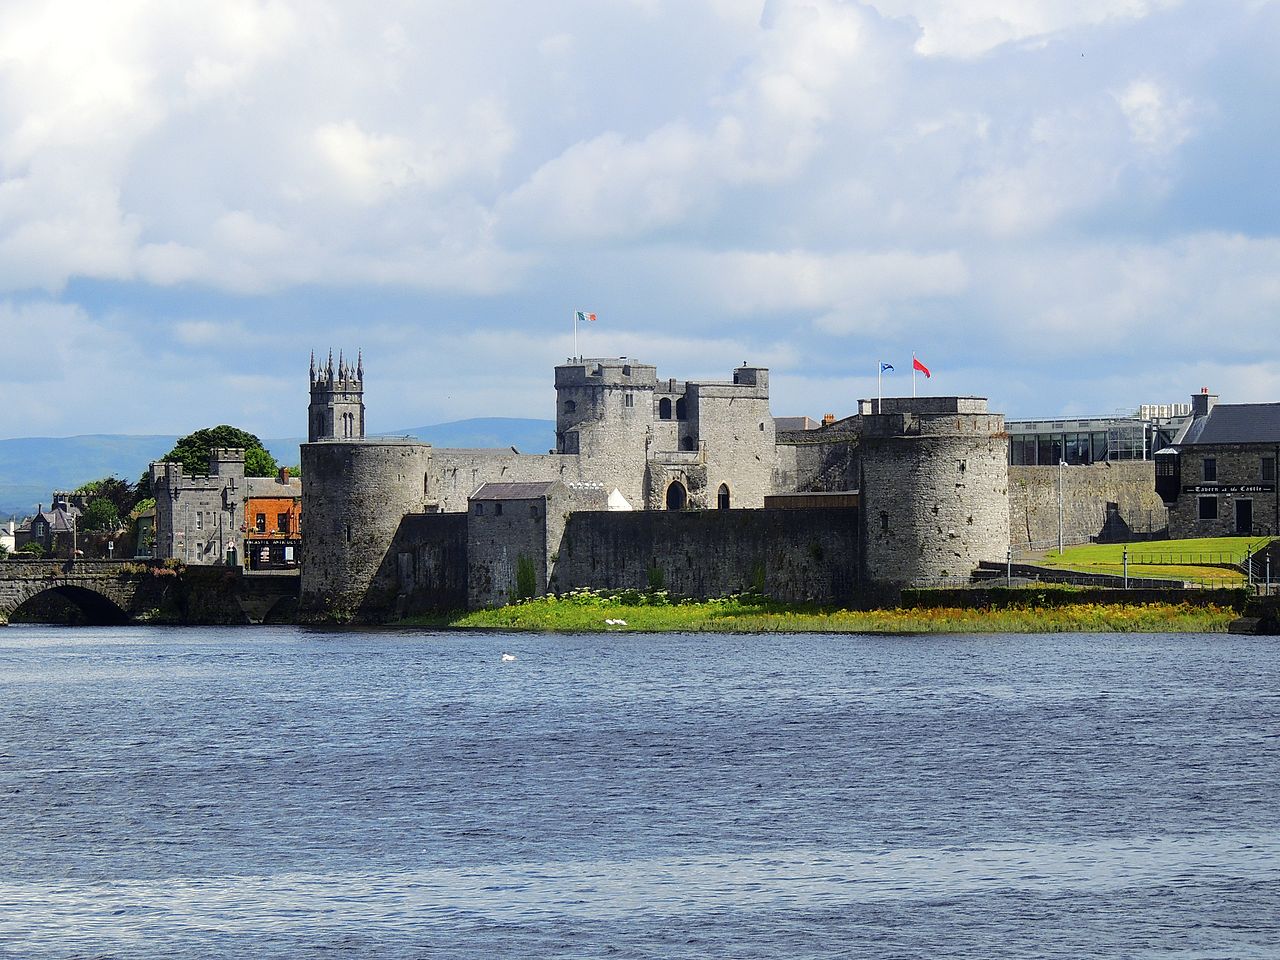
<point>122,591</point>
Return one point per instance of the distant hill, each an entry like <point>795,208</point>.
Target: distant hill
<point>31,468</point>
<point>527,436</point>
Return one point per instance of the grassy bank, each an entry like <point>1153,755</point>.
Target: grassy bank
<point>634,612</point>
<point>1201,560</point>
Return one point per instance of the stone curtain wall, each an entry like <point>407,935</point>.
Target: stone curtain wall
<point>1086,491</point>
<point>426,568</point>
<point>456,474</point>
<point>794,555</point>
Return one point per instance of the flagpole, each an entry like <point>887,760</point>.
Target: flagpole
<point>913,374</point>
<point>879,380</point>
<point>575,334</point>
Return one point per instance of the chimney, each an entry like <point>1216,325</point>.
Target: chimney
<point>1203,402</point>
<point>828,419</point>
<point>284,474</point>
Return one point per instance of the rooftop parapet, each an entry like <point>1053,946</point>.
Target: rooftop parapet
<point>620,371</point>
<point>924,406</point>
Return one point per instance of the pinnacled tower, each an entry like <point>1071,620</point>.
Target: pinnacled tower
<point>336,411</point>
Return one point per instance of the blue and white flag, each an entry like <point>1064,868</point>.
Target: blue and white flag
<point>885,367</point>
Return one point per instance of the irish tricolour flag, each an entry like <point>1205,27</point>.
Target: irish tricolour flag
<point>585,317</point>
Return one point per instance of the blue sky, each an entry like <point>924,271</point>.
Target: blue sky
<point>1069,206</point>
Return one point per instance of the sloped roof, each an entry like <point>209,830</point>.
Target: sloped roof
<point>784,424</point>
<point>1235,423</point>
<point>264,487</point>
<point>514,491</point>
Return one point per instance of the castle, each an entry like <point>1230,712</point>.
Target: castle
<point>681,484</point>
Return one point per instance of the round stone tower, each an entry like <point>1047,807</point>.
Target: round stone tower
<point>354,496</point>
<point>933,475</point>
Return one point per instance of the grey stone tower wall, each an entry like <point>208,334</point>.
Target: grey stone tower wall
<point>611,435</point>
<point>735,426</point>
<point>935,495</point>
<point>354,495</point>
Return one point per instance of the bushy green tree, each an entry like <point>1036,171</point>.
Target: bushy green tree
<point>32,549</point>
<point>192,451</point>
<point>100,514</point>
<point>121,494</point>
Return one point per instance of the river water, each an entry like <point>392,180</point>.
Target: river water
<point>278,792</point>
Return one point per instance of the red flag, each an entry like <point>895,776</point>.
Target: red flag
<point>917,365</point>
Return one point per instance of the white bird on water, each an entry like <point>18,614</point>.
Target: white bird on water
<point>508,657</point>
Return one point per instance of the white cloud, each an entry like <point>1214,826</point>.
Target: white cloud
<point>1157,121</point>
<point>975,27</point>
<point>859,176</point>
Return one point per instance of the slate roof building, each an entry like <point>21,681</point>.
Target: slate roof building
<point>1218,477</point>
<point>53,529</point>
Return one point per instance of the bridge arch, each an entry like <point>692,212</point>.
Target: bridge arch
<point>42,601</point>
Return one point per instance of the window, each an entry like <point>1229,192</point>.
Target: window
<point>722,497</point>
<point>682,409</point>
<point>664,408</point>
<point>1268,468</point>
<point>282,522</point>
<point>497,509</point>
<point>479,509</point>
<point>260,523</point>
<point>628,400</point>
<point>1208,508</point>
<point>199,519</point>
<point>570,406</point>
<point>1211,471</point>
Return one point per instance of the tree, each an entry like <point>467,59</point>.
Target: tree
<point>32,548</point>
<point>121,494</point>
<point>193,450</point>
<point>100,514</point>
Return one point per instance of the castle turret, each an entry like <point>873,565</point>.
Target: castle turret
<point>336,411</point>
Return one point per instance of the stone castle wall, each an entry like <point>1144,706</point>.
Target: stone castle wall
<point>1086,491</point>
<point>456,474</point>
<point>791,555</point>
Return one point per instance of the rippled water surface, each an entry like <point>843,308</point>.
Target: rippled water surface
<point>284,793</point>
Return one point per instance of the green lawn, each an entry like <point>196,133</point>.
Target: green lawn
<point>1179,559</point>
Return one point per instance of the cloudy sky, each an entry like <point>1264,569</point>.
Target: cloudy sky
<point>1069,206</point>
